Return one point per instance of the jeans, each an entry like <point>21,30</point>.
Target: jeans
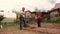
<point>22,22</point>
<point>39,22</point>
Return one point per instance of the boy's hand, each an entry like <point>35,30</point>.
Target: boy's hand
<point>35,17</point>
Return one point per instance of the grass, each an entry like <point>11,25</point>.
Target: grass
<point>5,26</point>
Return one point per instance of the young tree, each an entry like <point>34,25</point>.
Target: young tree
<point>17,15</point>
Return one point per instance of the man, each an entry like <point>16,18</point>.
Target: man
<point>22,18</point>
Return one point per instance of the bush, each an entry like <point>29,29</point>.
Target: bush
<point>57,19</point>
<point>1,18</point>
<point>16,20</point>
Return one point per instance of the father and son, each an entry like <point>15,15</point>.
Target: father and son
<point>23,22</point>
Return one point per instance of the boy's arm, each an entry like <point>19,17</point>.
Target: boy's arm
<point>36,17</point>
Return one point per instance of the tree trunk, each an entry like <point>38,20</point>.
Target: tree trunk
<point>17,19</point>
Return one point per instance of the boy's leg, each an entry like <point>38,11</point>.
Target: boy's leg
<point>26,21</point>
<point>39,24</point>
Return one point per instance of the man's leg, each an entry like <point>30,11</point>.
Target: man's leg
<point>20,26</point>
<point>24,24</point>
<point>21,21</point>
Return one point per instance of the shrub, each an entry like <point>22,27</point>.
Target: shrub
<point>57,19</point>
<point>16,20</point>
<point>1,17</point>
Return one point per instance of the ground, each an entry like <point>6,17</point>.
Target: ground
<point>33,29</point>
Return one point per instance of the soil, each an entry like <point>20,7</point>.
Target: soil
<point>32,29</point>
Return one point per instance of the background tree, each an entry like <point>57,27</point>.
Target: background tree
<point>36,10</point>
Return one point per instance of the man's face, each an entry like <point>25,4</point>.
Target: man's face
<point>23,9</point>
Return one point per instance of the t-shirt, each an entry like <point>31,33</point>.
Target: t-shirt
<point>22,13</point>
<point>38,15</point>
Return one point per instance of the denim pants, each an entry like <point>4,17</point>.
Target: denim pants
<point>39,22</point>
<point>22,23</point>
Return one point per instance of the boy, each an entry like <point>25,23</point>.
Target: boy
<point>38,17</point>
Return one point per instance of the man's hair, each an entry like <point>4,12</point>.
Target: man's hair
<point>23,9</point>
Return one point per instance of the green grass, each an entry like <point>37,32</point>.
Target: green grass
<point>5,26</point>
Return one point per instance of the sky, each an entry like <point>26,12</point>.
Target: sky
<point>9,5</point>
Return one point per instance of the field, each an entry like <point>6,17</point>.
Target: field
<point>46,28</point>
